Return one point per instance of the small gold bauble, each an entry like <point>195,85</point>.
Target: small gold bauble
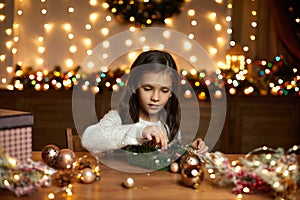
<point>65,159</point>
<point>189,159</point>
<point>87,175</point>
<point>128,182</point>
<point>174,167</point>
<point>50,153</point>
<point>192,176</point>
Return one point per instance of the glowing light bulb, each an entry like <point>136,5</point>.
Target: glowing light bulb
<point>191,12</point>
<point>73,49</point>
<point>88,26</point>
<point>218,27</point>
<point>44,11</point>
<point>2,18</point>
<point>71,10</point>
<point>108,18</point>
<point>104,31</point>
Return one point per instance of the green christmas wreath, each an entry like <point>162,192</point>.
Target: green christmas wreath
<point>143,13</point>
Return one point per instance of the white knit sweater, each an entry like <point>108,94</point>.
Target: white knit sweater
<point>109,133</point>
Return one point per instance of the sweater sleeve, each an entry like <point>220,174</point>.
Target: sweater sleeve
<point>110,134</point>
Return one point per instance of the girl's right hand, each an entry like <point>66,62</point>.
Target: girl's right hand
<point>156,133</point>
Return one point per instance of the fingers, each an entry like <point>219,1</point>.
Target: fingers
<point>200,146</point>
<point>156,133</point>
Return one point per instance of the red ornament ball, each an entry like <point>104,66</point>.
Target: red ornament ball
<point>65,159</point>
<point>50,153</point>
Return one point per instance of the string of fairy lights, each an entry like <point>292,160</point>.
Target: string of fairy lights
<point>236,69</point>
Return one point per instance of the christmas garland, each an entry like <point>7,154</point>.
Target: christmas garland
<point>144,12</point>
<point>23,178</point>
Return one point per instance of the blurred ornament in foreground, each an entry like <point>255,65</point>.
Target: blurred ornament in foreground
<point>65,159</point>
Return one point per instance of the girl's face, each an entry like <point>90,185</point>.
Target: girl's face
<point>153,94</point>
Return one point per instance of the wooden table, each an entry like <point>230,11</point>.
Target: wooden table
<point>154,185</point>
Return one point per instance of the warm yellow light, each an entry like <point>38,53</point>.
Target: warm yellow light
<point>187,45</point>
<point>191,12</point>
<point>254,24</point>
<point>87,42</point>
<point>71,36</point>
<point>132,56</point>
<point>3,80</point>
<point>132,28</point>
<point>93,2</point>
<point>218,27</point>
<point>194,22</point>
<point>47,27</point>
<point>252,37</point>
<point>148,21</point>
<point>8,31</point>
<point>212,15</point>
<point>193,71</point>
<point>41,49</point>
<point>88,26</point>
<point>105,5</point>
<point>2,5</point>
<point>106,44</point>
<point>40,39</point>
<point>219,40</point>
<point>108,18</point>
<point>168,21</point>
<point>229,31</point>
<point>228,19</point>
<point>9,44</point>
<point>193,59</point>
<point>166,34</point>
<point>191,36</point>
<point>2,18</point>
<point>44,11</point>
<point>73,49</point>
<point>69,62</point>
<point>71,10</point>
<point>40,61</point>
<point>14,50</point>
<point>16,39</point>
<point>229,6</point>
<point>219,1</point>
<point>232,43</point>
<point>2,57</point>
<point>213,51</point>
<point>253,12</point>
<point>67,27</point>
<point>19,12</point>
<point>16,25</point>
<point>9,69</point>
<point>128,42</point>
<point>113,10</point>
<point>131,19</point>
<point>93,17</point>
<point>104,31</point>
<point>89,52</point>
<point>245,48</point>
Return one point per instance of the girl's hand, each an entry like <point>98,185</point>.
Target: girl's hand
<point>200,146</point>
<point>156,133</point>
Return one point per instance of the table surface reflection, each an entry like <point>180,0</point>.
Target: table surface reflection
<point>148,185</point>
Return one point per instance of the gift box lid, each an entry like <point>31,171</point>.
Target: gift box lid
<point>14,118</point>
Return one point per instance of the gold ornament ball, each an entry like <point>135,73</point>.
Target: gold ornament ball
<point>192,176</point>
<point>50,153</point>
<point>87,175</point>
<point>128,182</point>
<point>65,159</point>
<point>189,159</point>
<point>174,167</point>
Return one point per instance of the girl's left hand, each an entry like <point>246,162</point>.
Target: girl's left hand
<point>200,146</point>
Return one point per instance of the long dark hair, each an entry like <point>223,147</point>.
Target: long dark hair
<point>151,61</point>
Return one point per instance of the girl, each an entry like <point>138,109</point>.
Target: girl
<point>149,109</point>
